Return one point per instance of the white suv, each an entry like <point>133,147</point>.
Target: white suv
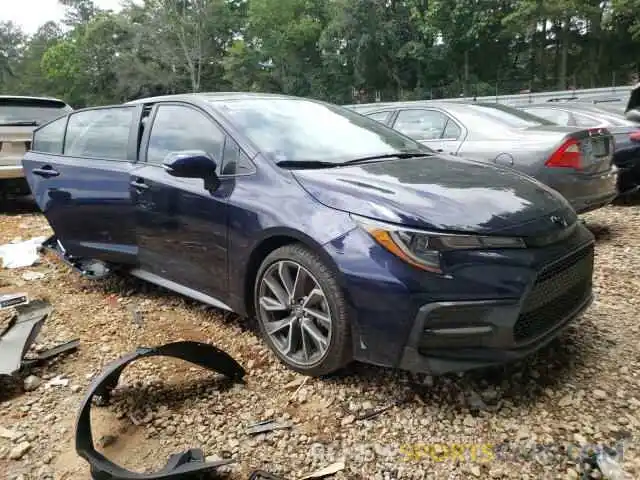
<point>19,116</point>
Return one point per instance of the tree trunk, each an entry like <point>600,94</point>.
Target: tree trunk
<point>466,73</point>
<point>564,54</point>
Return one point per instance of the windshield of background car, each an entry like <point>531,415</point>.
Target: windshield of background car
<point>303,130</point>
<point>509,117</point>
<point>27,110</point>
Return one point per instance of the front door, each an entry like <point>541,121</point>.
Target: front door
<point>83,186</point>
<point>181,226</point>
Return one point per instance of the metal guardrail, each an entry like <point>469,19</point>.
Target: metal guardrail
<point>605,94</point>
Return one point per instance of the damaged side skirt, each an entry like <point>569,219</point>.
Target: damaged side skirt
<point>187,465</point>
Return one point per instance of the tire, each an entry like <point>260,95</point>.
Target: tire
<point>336,350</point>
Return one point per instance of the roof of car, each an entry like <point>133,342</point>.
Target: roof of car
<point>379,106</point>
<point>26,97</point>
<point>211,96</point>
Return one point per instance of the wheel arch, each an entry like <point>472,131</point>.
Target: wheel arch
<point>275,239</point>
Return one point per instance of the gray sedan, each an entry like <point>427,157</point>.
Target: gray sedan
<point>576,162</point>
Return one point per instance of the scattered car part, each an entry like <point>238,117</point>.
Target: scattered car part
<point>326,471</point>
<point>377,411</point>
<point>19,335</point>
<point>90,268</point>
<point>187,465</point>
<point>266,426</point>
<point>66,347</point>
<point>13,300</point>
<point>21,332</point>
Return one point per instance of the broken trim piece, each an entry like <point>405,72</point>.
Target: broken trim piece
<point>22,331</point>
<point>187,465</point>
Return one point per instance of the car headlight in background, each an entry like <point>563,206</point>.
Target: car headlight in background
<point>423,249</point>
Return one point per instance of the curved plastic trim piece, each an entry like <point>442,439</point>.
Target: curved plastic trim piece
<point>189,465</point>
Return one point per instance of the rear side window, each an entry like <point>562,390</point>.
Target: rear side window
<point>421,124</point>
<point>585,120</point>
<point>178,128</point>
<point>559,117</point>
<point>379,116</point>
<point>102,133</point>
<point>49,138</point>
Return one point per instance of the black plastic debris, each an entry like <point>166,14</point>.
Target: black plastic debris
<point>22,331</point>
<point>189,465</point>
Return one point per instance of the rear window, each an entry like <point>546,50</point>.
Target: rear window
<point>510,117</point>
<point>30,111</point>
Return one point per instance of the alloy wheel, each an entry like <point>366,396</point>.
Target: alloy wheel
<point>294,312</point>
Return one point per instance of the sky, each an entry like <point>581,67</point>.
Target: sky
<point>30,14</point>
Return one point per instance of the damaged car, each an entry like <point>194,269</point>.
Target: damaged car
<point>345,239</point>
<point>18,117</point>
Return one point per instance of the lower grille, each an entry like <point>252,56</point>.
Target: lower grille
<point>559,289</point>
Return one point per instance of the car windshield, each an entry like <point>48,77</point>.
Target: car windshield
<point>26,110</point>
<point>299,130</point>
<point>511,117</point>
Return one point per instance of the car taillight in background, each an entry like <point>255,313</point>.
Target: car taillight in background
<point>568,155</point>
<point>635,136</point>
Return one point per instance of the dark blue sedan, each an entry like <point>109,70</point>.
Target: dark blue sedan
<point>345,239</point>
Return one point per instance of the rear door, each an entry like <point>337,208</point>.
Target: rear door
<point>431,127</point>
<point>78,171</point>
<point>181,226</point>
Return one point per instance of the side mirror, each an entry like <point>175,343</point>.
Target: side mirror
<point>190,164</point>
<point>633,115</point>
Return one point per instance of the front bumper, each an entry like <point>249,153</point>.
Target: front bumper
<point>458,336</point>
<point>10,172</point>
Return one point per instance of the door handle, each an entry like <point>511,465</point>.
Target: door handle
<point>46,172</point>
<point>139,185</point>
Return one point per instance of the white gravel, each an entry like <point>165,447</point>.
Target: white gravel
<point>583,390</point>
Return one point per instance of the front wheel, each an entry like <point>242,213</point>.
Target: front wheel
<point>302,312</point>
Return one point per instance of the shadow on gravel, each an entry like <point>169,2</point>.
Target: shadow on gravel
<point>170,394</point>
<point>630,200</point>
<point>18,205</point>
<point>603,233</point>
<point>521,384</point>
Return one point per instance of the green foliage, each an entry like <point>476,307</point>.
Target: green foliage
<point>326,49</point>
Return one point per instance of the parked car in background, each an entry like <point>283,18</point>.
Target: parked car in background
<point>577,162</point>
<point>344,238</point>
<point>18,117</point>
<point>625,132</point>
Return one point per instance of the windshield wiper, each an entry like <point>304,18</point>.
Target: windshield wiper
<point>306,164</point>
<point>19,123</point>
<point>401,155</point>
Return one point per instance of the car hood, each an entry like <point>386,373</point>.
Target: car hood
<point>440,193</point>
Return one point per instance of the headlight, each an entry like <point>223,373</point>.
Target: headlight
<point>423,249</point>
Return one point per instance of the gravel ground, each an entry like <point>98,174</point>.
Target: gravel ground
<point>528,420</point>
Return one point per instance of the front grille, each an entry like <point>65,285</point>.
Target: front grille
<point>559,289</point>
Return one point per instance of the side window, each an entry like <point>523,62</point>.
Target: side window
<point>585,120</point>
<point>379,116</point>
<point>100,133</point>
<point>49,138</point>
<point>235,161</point>
<point>559,117</point>
<point>452,131</point>
<point>421,124</point>
<point>177,128</point>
